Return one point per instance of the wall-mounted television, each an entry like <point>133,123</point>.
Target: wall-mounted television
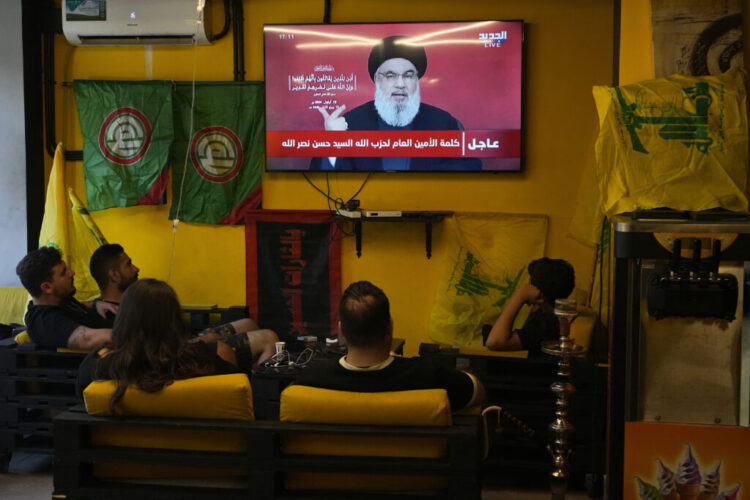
<point>435,97</point>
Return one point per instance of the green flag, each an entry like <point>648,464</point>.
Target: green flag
<point>127,134</point>
<point>217,165</point>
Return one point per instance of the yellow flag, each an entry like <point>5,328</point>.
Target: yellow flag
<point>485,263</point>
<point>54,232</point>
<point>678,142</point>
<point>85,239</point>
<point>68,227</point>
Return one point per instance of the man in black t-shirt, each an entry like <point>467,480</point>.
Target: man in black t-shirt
<point>114,272</point>
<point>550,279</point>
<point>54,318</point>
<point>368,366</point>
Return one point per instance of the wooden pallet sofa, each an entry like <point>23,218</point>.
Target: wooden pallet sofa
<point>36,383</point>
<point>395,445</point>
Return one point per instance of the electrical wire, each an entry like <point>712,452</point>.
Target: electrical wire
<point>360,187</point>
<point>338,202</point>
<point>501,414</point>
<point>284,359</point>
<point>176,221</point>
<point>317,188</point>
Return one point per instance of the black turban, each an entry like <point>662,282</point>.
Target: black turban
<point>387,48</point>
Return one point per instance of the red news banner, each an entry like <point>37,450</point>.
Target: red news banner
<point>429,143</point>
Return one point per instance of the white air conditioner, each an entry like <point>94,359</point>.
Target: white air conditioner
<point>135,22</point>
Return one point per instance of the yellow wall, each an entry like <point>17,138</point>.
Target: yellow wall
<point>568,49</point>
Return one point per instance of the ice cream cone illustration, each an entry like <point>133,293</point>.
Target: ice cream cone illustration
<point>688,476</point>
<point>647,491</point>
<point>729,494</point>
<point>667,486</point>
<point>710,484</point>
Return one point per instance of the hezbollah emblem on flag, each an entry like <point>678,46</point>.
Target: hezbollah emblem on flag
<point>216,153</point>
<point>125,136</point>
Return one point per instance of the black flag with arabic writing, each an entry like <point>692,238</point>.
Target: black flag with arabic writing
<point>293,271</point>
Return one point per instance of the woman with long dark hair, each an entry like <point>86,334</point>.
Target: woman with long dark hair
<point>151,346</point>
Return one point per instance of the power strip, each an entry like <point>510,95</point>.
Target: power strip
<point>352,214</point>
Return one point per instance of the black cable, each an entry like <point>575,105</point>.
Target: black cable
<point>327,11</point>
<point>316,187</point>
<point>227,20</point>
<point>328,192</point>
<point>601,269</point>
<point>238,38</point>
<point>360,187</point>
<point>241,39</point>
<point>49,92</point>
<point>234,43</point>
<point>337,202</point>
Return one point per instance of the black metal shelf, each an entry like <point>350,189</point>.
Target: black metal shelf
<point>426,218</point>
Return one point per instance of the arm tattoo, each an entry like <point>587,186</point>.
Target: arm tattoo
<point>78,336</point>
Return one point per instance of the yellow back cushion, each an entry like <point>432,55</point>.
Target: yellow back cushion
<point>215,396</point>
<point>315,405</point>
<point>14,301</point>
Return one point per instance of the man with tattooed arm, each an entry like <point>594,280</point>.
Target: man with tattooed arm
<point>54,317</point>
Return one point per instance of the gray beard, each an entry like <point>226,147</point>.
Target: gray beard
<point>396,115</point>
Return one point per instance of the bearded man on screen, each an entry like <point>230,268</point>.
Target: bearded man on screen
<point>395,66</point>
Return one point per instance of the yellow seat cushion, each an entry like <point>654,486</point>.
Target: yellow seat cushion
<point>483,351</point>
<point>212,397</point>
<point>22,338</point>
<point>215,396</point>
<point>428,407</point>
<point>312,404</point>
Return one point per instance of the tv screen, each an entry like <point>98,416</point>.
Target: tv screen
<point>394,97</point>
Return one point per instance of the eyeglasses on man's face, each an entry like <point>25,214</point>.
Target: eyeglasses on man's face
<point>391,77</point>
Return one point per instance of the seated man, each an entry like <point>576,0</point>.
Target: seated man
<point>54,317</point>
<point>551,279</point>
<point>114,272</point>
<point>368,366</point>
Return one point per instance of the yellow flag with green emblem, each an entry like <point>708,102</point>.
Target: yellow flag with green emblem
<point>485,263</point>
<point>678,142</point>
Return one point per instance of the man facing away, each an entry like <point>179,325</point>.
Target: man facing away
<point>54,317</point>
<point>368,366</point>
<point>395,66</point>
<point>114,272</point>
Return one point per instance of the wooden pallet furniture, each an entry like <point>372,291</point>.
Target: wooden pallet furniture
<point>261,462</point>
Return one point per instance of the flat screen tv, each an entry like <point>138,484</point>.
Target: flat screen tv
<point>435,97</point>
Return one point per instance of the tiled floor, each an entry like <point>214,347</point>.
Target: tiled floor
<point>30,478</point>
